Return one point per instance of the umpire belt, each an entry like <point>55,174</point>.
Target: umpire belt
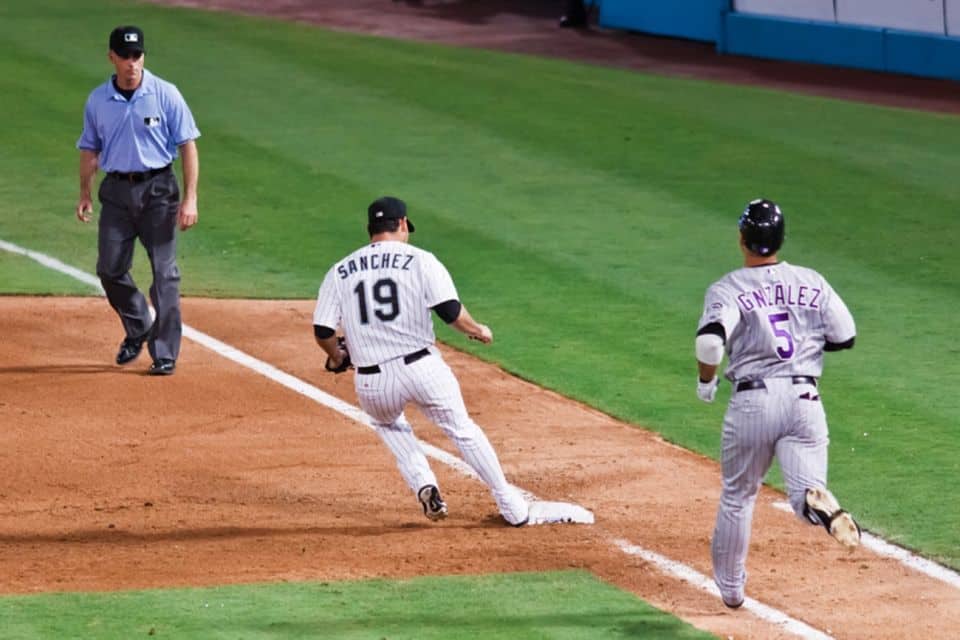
<point>749,385</point>
<point>138,176</point>
<point>410,358</point>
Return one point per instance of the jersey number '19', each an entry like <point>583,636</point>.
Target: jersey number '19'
<point>385,294</point>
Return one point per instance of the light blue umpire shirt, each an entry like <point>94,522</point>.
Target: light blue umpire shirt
<point>138,135</point>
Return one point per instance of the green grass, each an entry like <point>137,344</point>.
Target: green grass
<point>24,276</point>
<point>560,606</point>
<point>582,211</point>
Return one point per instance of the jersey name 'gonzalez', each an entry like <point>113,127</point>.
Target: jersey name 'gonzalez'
<point>375,261</point>
<point>777,319</point>
<point>779,294</point>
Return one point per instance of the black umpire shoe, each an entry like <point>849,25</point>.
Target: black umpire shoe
<point>162,367</point>
<point>130,348</point>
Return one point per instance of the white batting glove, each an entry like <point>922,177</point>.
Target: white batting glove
<point>707,391</point>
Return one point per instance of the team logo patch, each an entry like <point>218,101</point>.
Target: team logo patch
<point>131,37</point>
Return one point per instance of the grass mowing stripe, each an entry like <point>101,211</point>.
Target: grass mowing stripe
<point>613,193</point>
<point>564,605</point>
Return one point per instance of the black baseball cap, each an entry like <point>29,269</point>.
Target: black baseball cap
<point>388,207</point>
<point>127,39</point>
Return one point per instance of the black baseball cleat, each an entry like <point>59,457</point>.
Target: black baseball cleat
<point>733,605</point>
<point>433,505</point>
<point>162,367</point>
<point>130,348</point>
<point>822,508</point>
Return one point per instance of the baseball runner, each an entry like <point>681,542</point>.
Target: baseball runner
<point>775,320</point>
<point>382,296</point>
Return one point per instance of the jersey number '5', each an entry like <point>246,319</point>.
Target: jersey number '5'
<point>385,294</point>
<point>785,353</point>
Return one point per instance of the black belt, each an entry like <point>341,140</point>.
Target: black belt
<point>749,385</point>
<point>138,176</point>
<point>410,358</point>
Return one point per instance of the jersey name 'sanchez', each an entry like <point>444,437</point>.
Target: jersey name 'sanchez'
<point>376,261</point>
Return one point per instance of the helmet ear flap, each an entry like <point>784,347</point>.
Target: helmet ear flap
<point>762,227</point>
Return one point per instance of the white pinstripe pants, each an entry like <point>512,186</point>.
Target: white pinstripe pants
<point>758,425</point>
<point>431,386</point>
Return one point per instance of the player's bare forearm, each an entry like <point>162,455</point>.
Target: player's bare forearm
<point>707,383</point>
<point>707,371</point>
<point>190,159</point>
<point>191,176</point>
<point>329,346</point>
<point>89,161</point>
<point>466,325</point>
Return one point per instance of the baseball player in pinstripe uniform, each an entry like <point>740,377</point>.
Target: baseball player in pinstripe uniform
<point>382,296</point>
<point>774,320</point>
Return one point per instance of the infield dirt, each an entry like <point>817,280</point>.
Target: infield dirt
<point>114,479</point>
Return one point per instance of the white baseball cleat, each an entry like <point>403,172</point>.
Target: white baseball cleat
<point>543,512</point>
<point>835,520</point>
<point>433,505</point>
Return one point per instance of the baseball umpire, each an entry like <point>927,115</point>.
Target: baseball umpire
<point>775,320</point>
<point>133,126</point>
<point>382,295</point>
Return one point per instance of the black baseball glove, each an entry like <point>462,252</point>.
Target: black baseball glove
<point>345,363</point>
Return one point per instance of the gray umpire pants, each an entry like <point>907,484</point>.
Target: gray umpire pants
<point>146,210</point>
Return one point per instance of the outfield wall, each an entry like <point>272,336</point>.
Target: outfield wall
<point>916,37</point>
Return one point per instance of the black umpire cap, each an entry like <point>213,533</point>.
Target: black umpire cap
<point>388,207</point>
<point>127,39</point>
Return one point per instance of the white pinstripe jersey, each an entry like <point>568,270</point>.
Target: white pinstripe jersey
<point>381,295</point>
<point>777,318</point>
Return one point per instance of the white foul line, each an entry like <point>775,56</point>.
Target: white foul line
<point>666,565</point>
<point>53,263</point>
<point>703,583</point>
<point>317,395</point>
<point>888,550</point>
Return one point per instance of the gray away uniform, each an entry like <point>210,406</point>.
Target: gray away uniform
<point>777,320</point>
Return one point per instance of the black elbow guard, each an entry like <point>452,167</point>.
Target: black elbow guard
<point>716,329</point>
<point>448,311</point>
<point>322,332</point>
<point>839,346</point>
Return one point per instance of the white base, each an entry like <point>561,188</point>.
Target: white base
<point>543,512</point>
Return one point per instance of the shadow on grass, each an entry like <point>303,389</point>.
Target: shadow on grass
<point>429,622</point>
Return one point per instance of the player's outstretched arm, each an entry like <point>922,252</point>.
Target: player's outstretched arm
<point>466,325</point>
